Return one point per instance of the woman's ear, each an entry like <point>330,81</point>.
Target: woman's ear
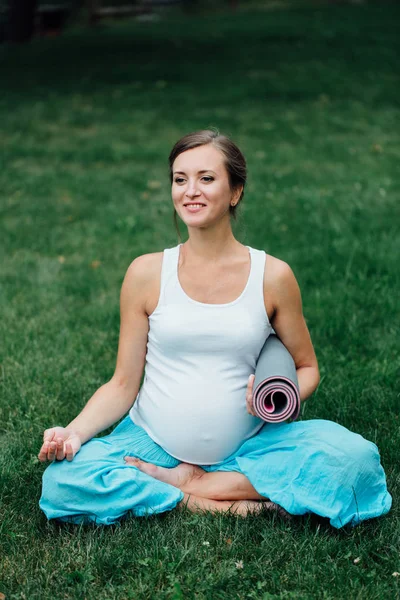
<point>236,194</point>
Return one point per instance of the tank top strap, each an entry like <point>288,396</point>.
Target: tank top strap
<point>168,277</point>
<point>254,296</point>
<point>256,277</point>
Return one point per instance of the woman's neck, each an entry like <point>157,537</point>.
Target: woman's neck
<point>213,252</point>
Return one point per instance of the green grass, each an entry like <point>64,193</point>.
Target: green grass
<point>87,120</point>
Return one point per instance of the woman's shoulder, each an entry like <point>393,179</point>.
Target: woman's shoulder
<point>275,266</point>
<point>146,266</point>
<point>278,274</point>
<point>146,260</point>
<point>143,276</point>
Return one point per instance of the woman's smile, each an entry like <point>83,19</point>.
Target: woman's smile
<point>193,208</point>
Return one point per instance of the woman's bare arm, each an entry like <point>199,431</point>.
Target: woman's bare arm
<point>113,399</point>
<point>289,324</point>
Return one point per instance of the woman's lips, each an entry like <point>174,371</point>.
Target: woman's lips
<point>194,209</point>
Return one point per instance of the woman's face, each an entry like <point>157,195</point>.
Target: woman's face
<point>199,175</point>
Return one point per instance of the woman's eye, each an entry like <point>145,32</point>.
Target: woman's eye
<point>207,178</point>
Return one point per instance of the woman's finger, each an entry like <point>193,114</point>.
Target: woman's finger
<point>60,454</point>
<point>42,456</point>
<point>51,454</point>
<point>68,451</point>
<point>48,435</point>
<point>249,395</point>
<point>249,404</point>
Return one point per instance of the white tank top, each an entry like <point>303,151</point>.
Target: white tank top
<point>199,357</point>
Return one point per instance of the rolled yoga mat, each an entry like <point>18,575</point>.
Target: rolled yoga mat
<point>276,395</point>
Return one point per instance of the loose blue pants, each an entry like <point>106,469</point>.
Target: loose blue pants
<point>315,466</point>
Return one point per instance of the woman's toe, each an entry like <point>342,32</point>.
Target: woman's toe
<point>143,466</point>
<point>132,460</point>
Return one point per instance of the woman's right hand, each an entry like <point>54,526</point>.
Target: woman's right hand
<point>59,443</point>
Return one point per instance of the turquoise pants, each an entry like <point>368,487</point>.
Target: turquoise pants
<point>314,466</point>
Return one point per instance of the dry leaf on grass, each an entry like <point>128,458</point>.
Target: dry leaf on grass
<point>154,184</point>
<point>377,148</point>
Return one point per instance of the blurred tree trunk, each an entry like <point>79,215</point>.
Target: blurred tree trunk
<point>21,20</point>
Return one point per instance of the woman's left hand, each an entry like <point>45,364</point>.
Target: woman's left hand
<point>249,395</point>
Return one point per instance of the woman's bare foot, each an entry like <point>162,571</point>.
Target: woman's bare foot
<point>241,508</point>
<point>178,476</point>
<point>183,474</point>
<point>198,504</point>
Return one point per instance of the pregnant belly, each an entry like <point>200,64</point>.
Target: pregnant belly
<point>200,432</point>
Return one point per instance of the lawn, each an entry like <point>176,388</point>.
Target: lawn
<point>311,95</point>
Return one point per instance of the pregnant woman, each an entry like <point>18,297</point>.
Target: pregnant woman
<point>195,318</point>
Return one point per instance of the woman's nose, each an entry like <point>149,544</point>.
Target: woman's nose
<point>192,190</point>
